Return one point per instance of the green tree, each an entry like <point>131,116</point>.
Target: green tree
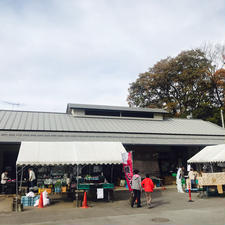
<point>182,85</point>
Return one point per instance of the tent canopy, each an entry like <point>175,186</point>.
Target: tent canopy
<point>70,153</point>
<point>209,154</point>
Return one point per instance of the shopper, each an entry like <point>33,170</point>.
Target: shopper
<point>4,178</point>
<point>148,186</point>
<point>179,180</point>
<point>183,182</point>
<point>32,177</point>
<point>136,186</point>
<point>192,177</point>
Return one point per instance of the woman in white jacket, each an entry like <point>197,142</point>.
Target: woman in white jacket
<point>179,180</point>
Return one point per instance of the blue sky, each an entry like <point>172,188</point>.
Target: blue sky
<point>88,51</point>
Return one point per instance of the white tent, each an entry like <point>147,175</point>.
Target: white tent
<point>209,154</point>
<point>70,153</point>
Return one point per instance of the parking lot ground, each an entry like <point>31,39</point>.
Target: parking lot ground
<point>168,207</point>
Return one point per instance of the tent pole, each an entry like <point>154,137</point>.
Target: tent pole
<point>77,186</point>
<point>77,175</point>
<point>112,173</point>
<point>211,167</point>
<point>21,179</point>
<point>16,189</point>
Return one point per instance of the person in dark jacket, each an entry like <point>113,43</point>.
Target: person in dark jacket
<point>148,186</point>
<point>136,186</point>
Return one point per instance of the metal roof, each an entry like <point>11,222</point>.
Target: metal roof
<point>125,138</point>
<point>62,122</point>
<point>114,108</point>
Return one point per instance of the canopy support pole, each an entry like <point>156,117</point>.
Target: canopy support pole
<point>21,178</point>
<point>211,167</point>
<point>16,205</point>
<point>112,173</point>
<point>77,195</point>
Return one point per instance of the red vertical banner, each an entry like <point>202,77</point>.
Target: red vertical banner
<point>128,168</point>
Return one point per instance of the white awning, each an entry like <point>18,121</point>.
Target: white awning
<point>67,153</point>
<point>208,154</point>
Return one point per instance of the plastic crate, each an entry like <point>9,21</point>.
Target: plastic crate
<point>57,189</point>
<point>63,189</point>
<point>25,201</point>
<point>84,186</point>
<point>28,201</point>
<point>105,186</point>
<point>33,200</point>
<point>49,190</point>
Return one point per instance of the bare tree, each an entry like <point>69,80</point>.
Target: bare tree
<point>215,52</point>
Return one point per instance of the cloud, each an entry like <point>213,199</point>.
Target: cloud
<point>55,52</point>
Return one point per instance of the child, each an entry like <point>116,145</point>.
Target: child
<point>148,186</point>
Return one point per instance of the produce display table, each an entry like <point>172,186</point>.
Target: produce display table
<point>10,188</point>
<point>91,188</point>
<point>88,186</point>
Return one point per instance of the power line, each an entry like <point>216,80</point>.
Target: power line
<point>12,104</point>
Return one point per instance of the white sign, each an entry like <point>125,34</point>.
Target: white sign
<point>124,157</point>
<point>100,193</point>
<point>188,167</point>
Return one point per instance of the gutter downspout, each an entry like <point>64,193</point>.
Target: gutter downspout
<point>222,119</point>
<point>16,189</point>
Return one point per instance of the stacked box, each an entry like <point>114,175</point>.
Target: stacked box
<point>83,186</point>
<point>33,200</point>
<point>57,189</point>
<point>63,189</point>
<point>25,201</point>
<point>49,190</point>
<point>28,201</point>
<point>108,185</point>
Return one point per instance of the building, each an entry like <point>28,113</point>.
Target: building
<point>158,143</point>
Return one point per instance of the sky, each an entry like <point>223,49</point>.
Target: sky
<point>54,52</point>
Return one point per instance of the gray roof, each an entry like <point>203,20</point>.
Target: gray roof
<point>62,122</point>
<point>116,108</point>
<point>125,138</point>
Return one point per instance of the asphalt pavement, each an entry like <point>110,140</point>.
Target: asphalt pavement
<point>168,207</point>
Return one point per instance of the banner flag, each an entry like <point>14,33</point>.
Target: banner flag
<point>128,168</point>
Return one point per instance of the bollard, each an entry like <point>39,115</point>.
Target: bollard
<point>189,191</point>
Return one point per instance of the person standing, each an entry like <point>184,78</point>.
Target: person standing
<point>192,177</point>
<point>136,186</point>
<point>4,178</point>
<point>183,177</point>
<point>179,180</point>
<point>148,186</point>
<point>32,177</point>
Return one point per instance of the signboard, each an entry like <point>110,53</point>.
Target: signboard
<point>100,193</point>
<point>128,168</point>
<point>212,179</point>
